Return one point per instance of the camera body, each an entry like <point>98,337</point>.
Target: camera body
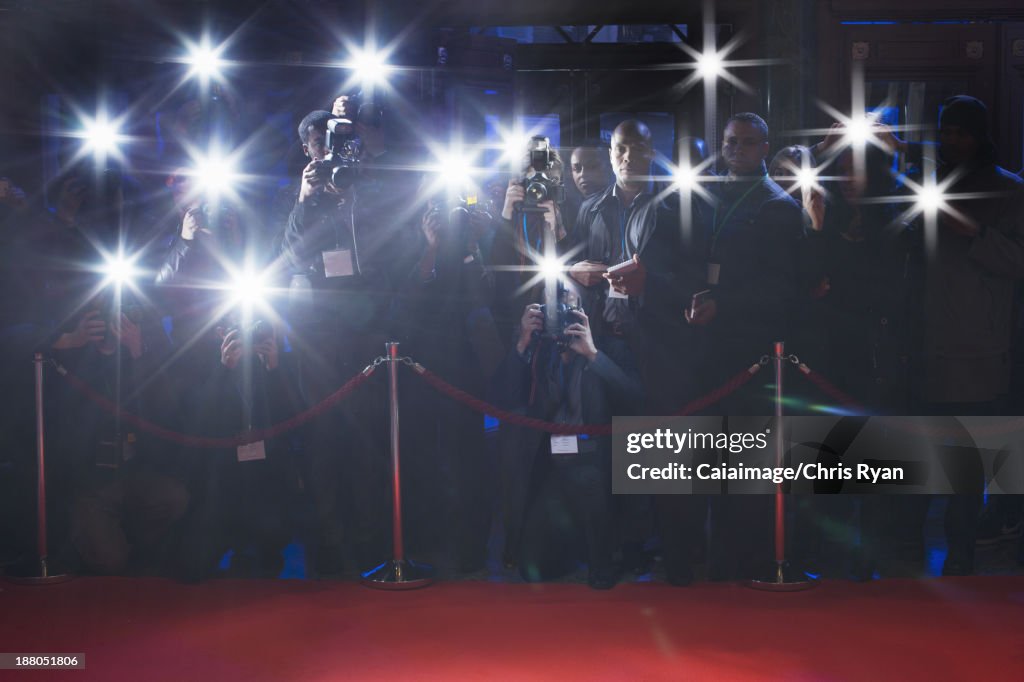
<point>257,332</point>
<point>556,320</point>
<point>539,187</point>
<point>362,109</point>
<point>340,166</point>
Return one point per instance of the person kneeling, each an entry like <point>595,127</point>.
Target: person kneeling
<point>564,377</point>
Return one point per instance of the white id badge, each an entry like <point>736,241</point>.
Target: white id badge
<point>713,270</point>
<point>614,294</point>
<point>564,445</point>
<point>338,263</point>
<point>252,452</point>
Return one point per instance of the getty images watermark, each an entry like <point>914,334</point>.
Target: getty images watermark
<point>819,455</point>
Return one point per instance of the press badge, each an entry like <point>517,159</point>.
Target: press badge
<point>713,270</point>
<point>564,445</point>
<point>338,263</point>
<point>252,452</point>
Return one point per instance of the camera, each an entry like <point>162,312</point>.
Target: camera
<point>340,166</point>
<point>256,333</point>
<point>214,217</point>
<point>539,187</point>
<point>362,109</point>
<point>558,320</point>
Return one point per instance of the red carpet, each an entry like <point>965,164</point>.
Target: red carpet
<point>152,629</point>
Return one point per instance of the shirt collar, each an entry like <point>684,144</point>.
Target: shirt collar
<point>643,193</point>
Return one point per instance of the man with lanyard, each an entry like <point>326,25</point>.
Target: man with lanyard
<point>342,245</point>
<point>752,242</point>
<point>752,238</point>
<point>627,223</point>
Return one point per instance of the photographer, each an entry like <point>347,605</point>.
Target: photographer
<point>531,226</point>
<point>343,249</point>
<point>238,380</point>
<point>451,331</point>
<point>568,378</point>
<point>129,489</point>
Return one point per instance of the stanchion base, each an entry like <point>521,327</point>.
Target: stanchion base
<point>399,575</point>
<point>35,572</point>
<point>785,579</point>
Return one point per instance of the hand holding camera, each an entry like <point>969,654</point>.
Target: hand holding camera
<point>530,325</point>
<point>193,224</point>
<point>312,181</point>
<point>581,340</point>
<point>90,329</point>
<point>259,339</point>
<point>123,332</point>
<point>514,196</point>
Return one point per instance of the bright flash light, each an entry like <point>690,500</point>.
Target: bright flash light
<point>930,199</point>
<point>205,60</point>
<point>455,171</point>
<point>100,136</point>
<point>807,178</point>
<point>247,288</point>
<point>370,66</point>
<point>214,174</point>
<point>710,65</point>
<point>685,177</point>
<point>118,270</point>
<point>513,147</point>
<point>551,267</point>
<point>858,130</point>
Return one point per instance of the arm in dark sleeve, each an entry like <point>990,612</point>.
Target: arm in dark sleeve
<point>617,369</point>
<point>295,245</point>
<point>175,262</point>
<point>999,249</point>
<point>510,385</point>
<point>672,273</point>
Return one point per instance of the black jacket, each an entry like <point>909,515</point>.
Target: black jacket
<point>753,236</point>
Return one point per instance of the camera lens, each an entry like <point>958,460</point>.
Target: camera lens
<point>536,192</point>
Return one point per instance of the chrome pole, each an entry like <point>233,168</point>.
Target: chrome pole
<point>37,572</point>
<point>398,573</point>
<point>781,582</point>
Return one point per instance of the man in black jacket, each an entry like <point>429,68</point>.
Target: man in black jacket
<point>341,247</point>
<point>752,245</point>
<point>752,239</point>
<point>628,222</point>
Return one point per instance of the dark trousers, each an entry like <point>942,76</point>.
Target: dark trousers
<point>569,516</point>
<point>114,520</point>
<point>346,449</point>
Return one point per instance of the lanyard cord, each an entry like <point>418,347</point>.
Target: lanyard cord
<point>716,227</point>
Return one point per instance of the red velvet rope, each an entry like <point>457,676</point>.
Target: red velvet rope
<point>831,390</point>
<point>209,442</point>
<point>355,382</point>
<point>483,407</point>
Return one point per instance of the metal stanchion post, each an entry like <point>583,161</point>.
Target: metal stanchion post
<point>37,571</point>
<point>782,581</point>
<point>398,573</point>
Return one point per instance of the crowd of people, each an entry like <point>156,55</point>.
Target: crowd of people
<point>668,288</point>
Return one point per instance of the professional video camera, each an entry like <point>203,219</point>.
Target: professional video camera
<point>539,187</point>
<point>344,149</point>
